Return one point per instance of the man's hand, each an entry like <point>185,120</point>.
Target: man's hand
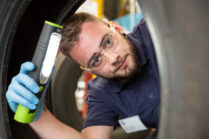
<point>22,89</point>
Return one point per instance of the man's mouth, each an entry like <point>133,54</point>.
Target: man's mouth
<point>122,65</point>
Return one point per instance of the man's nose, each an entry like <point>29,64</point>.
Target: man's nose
<point>111,56</point>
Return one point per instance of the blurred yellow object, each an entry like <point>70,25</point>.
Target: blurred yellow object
<point>100,8</point>
<point>93,76</point>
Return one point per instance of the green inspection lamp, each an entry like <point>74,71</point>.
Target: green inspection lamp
<point>44,59</point>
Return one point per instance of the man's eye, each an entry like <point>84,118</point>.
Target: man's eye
<point>108,42</point>
<point>97,61</point>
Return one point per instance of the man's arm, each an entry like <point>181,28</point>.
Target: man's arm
<point>101,132</point>
<point>47,126</point>
<point>22,90</point>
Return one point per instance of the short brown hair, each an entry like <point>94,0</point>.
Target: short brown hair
<point>72,28</point>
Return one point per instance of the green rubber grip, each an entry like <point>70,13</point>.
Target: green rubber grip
<point>22,115</point>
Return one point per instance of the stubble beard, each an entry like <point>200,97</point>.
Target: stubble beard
<point>129,71</point>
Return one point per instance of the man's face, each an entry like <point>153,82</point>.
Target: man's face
<point>106,53</point>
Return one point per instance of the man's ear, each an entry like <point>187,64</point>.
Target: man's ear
<point>86,69</point>
<point>117,27</point>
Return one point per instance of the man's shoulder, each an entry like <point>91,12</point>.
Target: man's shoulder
<point>139,29</point>
<point>141,23</point>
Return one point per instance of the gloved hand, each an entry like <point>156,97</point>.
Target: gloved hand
<point>22,89</point>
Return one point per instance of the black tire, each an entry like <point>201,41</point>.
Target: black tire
<point>62,92</point>
<point>180,32</point>
<point>10,14</point>
<point>20,25</point>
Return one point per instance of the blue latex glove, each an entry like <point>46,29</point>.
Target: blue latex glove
<point>22,89</point>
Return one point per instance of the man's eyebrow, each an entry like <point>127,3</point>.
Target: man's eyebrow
<point>101,42</point>
<point>95,54</point>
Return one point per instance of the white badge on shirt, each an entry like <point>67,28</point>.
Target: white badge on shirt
<point>132,124</point>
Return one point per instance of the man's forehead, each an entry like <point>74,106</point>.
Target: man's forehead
<point>80,54</point>
<point>93,27</point>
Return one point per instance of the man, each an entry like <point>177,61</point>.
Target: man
<point>127,85</point>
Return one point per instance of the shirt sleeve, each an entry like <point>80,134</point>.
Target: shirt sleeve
<point>99,113</point>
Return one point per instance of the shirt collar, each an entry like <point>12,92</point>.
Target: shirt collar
<point>117,86</point>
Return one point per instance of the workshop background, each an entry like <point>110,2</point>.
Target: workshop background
<point>179,30</point>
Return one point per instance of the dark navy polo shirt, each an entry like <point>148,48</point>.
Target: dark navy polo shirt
<point>109,100</point>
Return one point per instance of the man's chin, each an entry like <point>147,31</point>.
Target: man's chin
<point>122,78</point>
<point>127,75</point>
